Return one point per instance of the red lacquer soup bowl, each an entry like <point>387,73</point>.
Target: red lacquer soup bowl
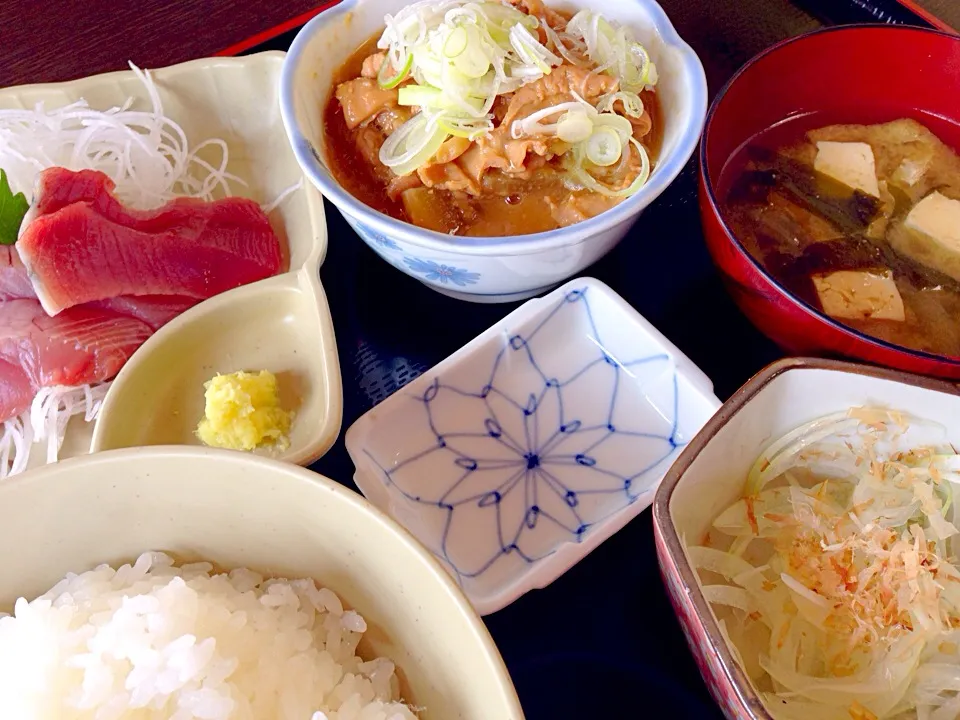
<point>853,74</point>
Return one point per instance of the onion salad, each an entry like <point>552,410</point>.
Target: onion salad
<point>451,59</point>
<point>149,158</point>
<point>835,577</point>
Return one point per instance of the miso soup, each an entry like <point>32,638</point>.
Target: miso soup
<point>860,221</point>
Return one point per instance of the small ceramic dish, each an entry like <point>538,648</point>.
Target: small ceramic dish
<point>711,471</point>
<point>240,511</point>
<point>487,269</point>
<point>821,74</point>
<point>528,447</point>
<point>281,324</point>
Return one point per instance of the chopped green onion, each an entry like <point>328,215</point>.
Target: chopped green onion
<point>531,125</point>
<point>456,42</point>
<point>574,126</point>
<point>618,123</point>
<point>412,144</point>
<point>588,182</point>
<point>463,54</point>
<point>473,63</point>
<point>632,104</point>
<point>470,128</point>
<point>574,58</point>
<point>615,50</point>
<point>469,50</point>
<point>388,83</point>
<point>603,148</point>
<point>419,96</point>
<point>531,50</point>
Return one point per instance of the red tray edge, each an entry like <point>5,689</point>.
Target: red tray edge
<point>270,33</point>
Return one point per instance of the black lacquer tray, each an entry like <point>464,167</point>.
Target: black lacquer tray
<point>602,641</point>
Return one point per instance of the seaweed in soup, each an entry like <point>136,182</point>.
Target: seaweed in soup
<point>858,221</point>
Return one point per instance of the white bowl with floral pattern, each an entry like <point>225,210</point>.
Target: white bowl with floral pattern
<point>487,269</point>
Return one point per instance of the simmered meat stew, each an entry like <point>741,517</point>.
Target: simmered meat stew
<point>544,138</point>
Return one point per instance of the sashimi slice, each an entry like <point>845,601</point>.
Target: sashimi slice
<point>14,281</point>
<point>16,391</point>
<point>83,250</point>
<point>155,310</point>
<point>80,346</point>
<point>58,187</point>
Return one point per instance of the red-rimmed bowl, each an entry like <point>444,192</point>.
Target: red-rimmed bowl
<point>852,74</point>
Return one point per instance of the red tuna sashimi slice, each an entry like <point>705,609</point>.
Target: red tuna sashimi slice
<point>14,282</point>
<point>79,346</point>
<point>155,310</point>
<point>16,391</point>
<point>94,249</point>
<point>58,187</point>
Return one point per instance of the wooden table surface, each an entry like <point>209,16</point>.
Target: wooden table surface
<point>73,38</point>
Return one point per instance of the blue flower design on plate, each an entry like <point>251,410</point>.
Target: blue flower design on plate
<point>377,238</point>
<point>444,274</point>
<point>537,457</point>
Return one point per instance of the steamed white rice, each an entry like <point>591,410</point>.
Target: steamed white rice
<point>153,641</point>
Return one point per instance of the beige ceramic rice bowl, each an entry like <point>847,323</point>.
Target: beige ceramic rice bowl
<point>239,511</point>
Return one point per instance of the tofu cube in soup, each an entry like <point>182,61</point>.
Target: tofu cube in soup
<point>860,295</point>
<point>930,234</point>
<point>851,163</point>
<point>885,197</point>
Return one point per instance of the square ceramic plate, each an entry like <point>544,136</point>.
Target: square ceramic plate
<point>281,324</point>
<point>524,450</point>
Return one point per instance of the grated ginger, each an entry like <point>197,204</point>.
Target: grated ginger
<point>243,412</point>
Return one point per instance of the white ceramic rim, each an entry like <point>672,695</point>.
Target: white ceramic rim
<point>550,568</point>
<point>665,173</point>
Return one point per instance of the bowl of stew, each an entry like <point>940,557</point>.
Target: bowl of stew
<point>832,208</point>
<point>492,149</point>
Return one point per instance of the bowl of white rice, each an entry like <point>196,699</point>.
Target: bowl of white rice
<point>188,583</point>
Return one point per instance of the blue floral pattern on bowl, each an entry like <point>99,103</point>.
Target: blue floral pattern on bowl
<point>374,237</point>
<point>444,274</point>
<point>531,442</point>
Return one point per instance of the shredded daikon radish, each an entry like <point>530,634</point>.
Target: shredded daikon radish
<point>54,406</point>
<point>15,442</point>
<point>46,421</point>
<point>838,564</point>
<point>276,202</point>
<point>144,152</point>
